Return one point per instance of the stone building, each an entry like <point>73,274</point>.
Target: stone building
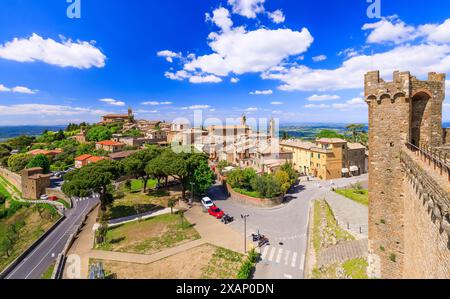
<point>409,199</point>
<point>119,118</point>
<point>110,146</point>
<point>34,183</point>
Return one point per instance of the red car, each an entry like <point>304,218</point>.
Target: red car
<point>216,212</point>
<point>53,198</point>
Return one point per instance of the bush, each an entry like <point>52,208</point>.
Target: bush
<point>247,267</point>
<point>241,178</point>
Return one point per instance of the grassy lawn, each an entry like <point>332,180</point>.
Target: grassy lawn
<point>351,269</point>
<point>48,273</point>
<point>138,185</point>
<point>224,264</point>
<point>128,203</point>
<point>359,195</point>
<point>34,225</point>
<point>203,262</point>
<point>248,193</point>
<point>326,231</point>
<point>150,236</point>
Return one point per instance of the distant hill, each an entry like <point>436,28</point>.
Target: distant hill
<point>14,131</point>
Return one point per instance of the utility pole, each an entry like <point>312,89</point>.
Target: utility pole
<point>244,217</point>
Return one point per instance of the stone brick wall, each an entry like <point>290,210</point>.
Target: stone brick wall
<point>253,201</point>
<point>427,226</point>
<point>401,111</point>
<point>12,177</point>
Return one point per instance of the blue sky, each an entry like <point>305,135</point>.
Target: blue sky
<point>300,61</point>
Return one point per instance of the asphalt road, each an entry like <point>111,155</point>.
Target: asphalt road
<point>38,260</point>
<point>285,226</point>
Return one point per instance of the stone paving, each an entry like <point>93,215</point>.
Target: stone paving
<point>343,252</point>
<point>350,215</point>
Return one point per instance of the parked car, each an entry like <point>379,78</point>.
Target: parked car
<point>216,212</point>
<point>53,198</point>
<point>44,197</point>
<point>207,202</point>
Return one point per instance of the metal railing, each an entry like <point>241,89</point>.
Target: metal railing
<point>431,155</point>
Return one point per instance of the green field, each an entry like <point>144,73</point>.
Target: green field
<point>359,195</point>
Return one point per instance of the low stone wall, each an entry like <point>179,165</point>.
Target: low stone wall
<point>253,201</point>
<point>12,177</point>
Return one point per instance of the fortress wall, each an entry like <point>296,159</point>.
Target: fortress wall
<point>12,177</point>
<point>426,242</point>
<point>446,135</point>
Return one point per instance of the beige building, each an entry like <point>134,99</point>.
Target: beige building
<point>327,158</point>
<point>110,146</point>
<point>34,183</point>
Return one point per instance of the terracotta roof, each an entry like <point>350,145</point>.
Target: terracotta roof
<point>83,157</point>
<point>45,152</point>
<point>95,159</point>
<point>110,143</point>
<point>298,144</point>
<point>116,116</point>
<point>331,140</point>
<point>121,155</point>
<point>354,146</point>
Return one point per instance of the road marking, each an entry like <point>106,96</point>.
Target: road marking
<point>302,262</point>
<point>272,253</point>
<point>286,257</point>
<point>263,256</point>
<point>294,259</point>
<point>280,253</point>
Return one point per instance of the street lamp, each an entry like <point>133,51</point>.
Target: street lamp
<point>244,217</point>
<point>192,193</point>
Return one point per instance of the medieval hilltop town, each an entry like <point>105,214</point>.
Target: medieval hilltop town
<point>128,198</point>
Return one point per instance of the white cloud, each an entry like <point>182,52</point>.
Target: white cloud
<point>169,55</point>
<point>319,58</point>
<point>354,103</point>
<point>17,89</point>
<point>349,52</point>
<point>276,103</point>
<point>447,87</point>
<point>239,51</point>
<point>419,59</point>
<point>47,110</point>
<point>277,16</point>
<point>247,8</point>
<point>221,17</point>
<point>112,102</point>
<point>390,29</point>
<point>196,107</point>
<point>23,89</point>
<point>234,80</point>
<point>4,88</point>
<point>79,54</point>
<point>438,33</point>
<point>156,103</point>
<point>323,97</point>
<point>179,75</point>
<point>252,109</point>
<point>142,111</point>
<point>262,92</point>
<point>205,79</point>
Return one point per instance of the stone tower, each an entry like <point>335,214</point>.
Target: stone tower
<point>406,110</point>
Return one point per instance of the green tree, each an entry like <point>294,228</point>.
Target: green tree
<point>285,135</point>
<point>288,167</point>
<point>99,133</point>
<point>136,164</point>
<point>283,180</point>
<point>40,161</point>
<point>354,130</point>
<point>18,162</point>
<point>203,178</point>
<point>329,134</point>
<point>241,178</point>
<point>20,143</point>
<point>60,135</point>
<point>93,178</point>
<point>221,165</point>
